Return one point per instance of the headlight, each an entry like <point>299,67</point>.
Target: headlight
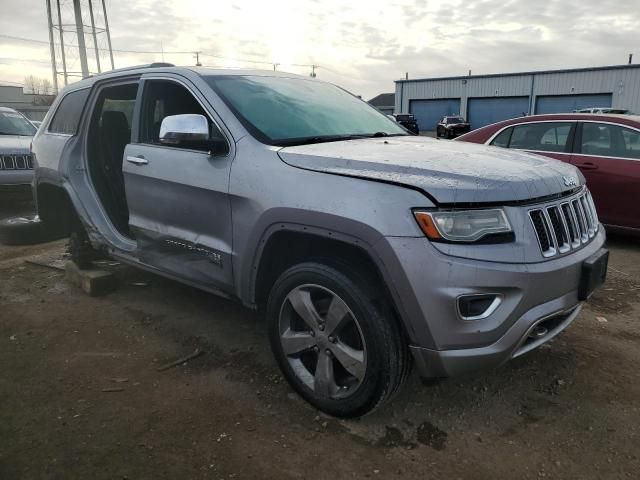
<point>465,225</point>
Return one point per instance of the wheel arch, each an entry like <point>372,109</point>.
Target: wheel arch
<point>284,245</point>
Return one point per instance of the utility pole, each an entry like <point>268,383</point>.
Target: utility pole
<point>406,75</point>
<point>82,49</point>
<point>313,71</point>
<point>106,26</point>
<point>64,61</point>
<point>95,38</point>
<point>197,57</point>
<point>52,48</point>
<point>630,58</point>
<point>70,21</point>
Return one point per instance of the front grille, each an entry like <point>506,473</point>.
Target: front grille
<point>565,225</point>
<point>16,162</point>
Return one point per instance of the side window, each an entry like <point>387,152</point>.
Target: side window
<point>164,98</point>
<point>544,136</point>
<point>67,116</point>
<point>631,140</point>
<point>606,140</point>
<point>502,139</point>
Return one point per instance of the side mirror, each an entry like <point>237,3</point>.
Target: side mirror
<point>187,128</point>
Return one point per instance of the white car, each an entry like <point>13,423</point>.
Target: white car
<point>622,111</point>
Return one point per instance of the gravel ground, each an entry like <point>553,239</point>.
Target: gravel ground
<point>82,396</point>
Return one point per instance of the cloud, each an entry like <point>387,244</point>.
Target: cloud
<point>362,45</point>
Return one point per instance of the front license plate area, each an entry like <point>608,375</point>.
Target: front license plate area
<point>594,273</point>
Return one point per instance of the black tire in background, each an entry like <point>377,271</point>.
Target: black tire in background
<point>27,230</point>
<point>388,360</point>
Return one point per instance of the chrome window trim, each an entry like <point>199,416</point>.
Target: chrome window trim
<point>492,138</point>
<point>488,142</point>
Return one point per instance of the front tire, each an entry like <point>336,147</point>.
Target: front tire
<point>335,338</point>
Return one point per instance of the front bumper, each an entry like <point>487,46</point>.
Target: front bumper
<point>517,341</point>
<point>443,344</point>
<point>16,177</point>
<point>456,132</point>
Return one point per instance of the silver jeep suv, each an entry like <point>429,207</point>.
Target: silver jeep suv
<point>367,247</point>
<point>16,167</point>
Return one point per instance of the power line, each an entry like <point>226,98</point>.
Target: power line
<point>164,52</point>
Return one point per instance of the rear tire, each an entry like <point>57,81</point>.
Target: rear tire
<point>27,230</point>
<point>336,339</point>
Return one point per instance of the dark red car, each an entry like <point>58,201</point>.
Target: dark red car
<point>606,149</point>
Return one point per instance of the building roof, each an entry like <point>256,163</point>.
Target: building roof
<point>383,100</point>
<point>534,72</point>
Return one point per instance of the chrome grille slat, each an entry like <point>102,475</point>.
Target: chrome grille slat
<point>589,213</point>
<point>593,210</point>
<point>577,208</point>
<point>16,162</point>
<point>568,225</point>
<point>559,230</point>
<point>543,232</point>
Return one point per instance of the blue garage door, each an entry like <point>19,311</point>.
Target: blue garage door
<point>484,111</point>
<point>569,103</point>
<point>429,112</point>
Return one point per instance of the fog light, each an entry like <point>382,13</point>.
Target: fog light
<point>478,306</point>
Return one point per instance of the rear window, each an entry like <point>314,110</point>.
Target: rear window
<point>405,118</point>
<point>67,116</point>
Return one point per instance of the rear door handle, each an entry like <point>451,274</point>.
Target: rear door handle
<point>587,166</point>
<point>137,160</point>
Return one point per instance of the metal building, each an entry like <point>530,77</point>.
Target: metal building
<point>485,99</point>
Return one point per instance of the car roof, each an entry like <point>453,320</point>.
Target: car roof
<point>7,109</point>
<point>602,117</point>
<point>169,68</point>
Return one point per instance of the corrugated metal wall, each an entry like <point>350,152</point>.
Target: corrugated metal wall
<point>622,83</point>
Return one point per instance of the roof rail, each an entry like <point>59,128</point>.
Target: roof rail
<point>135,67</point>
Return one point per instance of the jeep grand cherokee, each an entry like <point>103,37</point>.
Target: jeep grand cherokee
<point>365,247</point>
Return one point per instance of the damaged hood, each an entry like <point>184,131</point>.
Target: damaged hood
<point>450,172</point>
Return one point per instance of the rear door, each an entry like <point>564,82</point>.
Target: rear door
<point>178,201</point>
<point>609,157</point>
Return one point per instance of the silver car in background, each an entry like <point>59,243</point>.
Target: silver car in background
<point>364,246</point>
<point>16,166</point>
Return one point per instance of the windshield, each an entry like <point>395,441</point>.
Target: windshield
<point>13,123</point>
<point>289,111</point>
<point>454,120</point>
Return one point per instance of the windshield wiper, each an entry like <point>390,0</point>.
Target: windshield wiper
<point>318,139</point>
<point>334,138</point>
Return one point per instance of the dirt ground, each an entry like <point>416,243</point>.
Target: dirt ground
<point>81,395</point>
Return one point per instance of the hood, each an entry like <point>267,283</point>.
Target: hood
<point>450,172</point>
<point>14,144</point>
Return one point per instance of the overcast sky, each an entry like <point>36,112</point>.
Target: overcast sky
<point>362,45</point>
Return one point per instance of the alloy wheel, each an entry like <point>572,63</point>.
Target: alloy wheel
<point>322,341</point>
